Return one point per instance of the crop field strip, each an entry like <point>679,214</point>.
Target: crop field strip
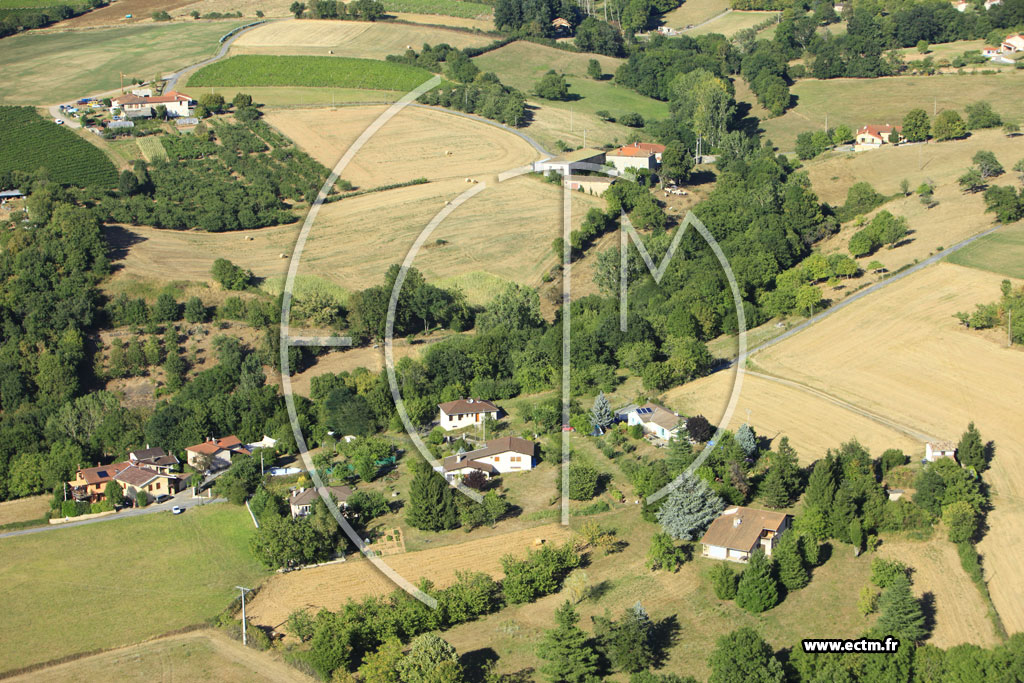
<point>290,70</point>
<point>29,142</point>
<point>454,8</point>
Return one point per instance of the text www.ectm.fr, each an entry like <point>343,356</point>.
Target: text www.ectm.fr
<point>889,645</point>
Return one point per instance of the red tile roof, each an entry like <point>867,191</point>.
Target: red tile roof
<point>880,131</point>
<point>227,443</point>
<point>637,149</point>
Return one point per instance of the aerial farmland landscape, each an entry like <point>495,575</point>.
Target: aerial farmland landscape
<point>562,341</point>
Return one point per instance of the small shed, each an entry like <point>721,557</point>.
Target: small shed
<point>936,450</point>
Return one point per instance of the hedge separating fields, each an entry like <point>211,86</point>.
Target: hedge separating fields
<point>28,142</point>
<point>316,72</point>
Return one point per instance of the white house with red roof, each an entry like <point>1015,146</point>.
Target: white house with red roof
<point>465,412</point>
<point>874,136</point>
<point>134,106</point>
<point>637,155</point>
<point>1013,43</point>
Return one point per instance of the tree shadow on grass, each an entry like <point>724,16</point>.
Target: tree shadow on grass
<point>476,663</point>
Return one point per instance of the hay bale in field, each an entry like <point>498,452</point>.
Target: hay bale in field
<point>538,541</point>
<point>284,255</point>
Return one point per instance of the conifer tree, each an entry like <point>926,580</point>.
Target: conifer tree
<point>431,503</point>
<point>789,556</point>
<point>843,512</point>
<point>743,656</point>
<point>569,658</point>
<point>821,486</point>
<point>601,414</point>
<point>689,509</point>
<point>627,642</point>
<point>723,581</point>
<point>781,486</point>
<point>901,613</point>
<point>971,451</point>
<point>757,590</point>
<point>747,440</point>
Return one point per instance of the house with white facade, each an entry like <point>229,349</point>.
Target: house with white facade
<point>301,501</point>
<point>1013,43</point>
<point>219,452</point>
<point>874,136</point>
<point>739,531</point>
<point>656,420</point>
<point>571,162</point>
<point>465,412</point>
<point>498,456</point>
<point>636,156</point>
<point>134,106</point>
<point>937,450</point>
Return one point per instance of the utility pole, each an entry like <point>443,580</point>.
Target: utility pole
<point>1009,327</point>
<point>244,639</point>
<point>570,120</point>
<point>261,462</point>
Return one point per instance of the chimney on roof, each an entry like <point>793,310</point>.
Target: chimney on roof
<point>736,522</point>
<point>469,400</point>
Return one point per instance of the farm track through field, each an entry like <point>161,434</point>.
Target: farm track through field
<point>874,417</point>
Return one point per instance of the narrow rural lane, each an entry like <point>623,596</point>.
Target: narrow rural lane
<point>935,258</point>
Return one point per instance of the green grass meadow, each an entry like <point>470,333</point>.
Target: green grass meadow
<point>290,70</point>
<point>1001,252</point>
<point>119,582</point>
<point>46,68</point>
<point>522,65</point>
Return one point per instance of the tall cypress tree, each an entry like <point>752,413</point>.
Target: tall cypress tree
<point>757,590</point>
<point>901,612</point>
<point>822,485</point>
<point>843,512</point>
<point>789,556</point>
<point>431,503</point>
<point>971,450</point>
<point>569,658</point>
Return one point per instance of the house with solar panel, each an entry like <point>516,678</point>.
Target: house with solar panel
<point>656,420</point>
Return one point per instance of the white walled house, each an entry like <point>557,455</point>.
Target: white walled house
<point>739,531</point>
<point>133,106</point>
<point>636,156</point>
<point>656,420</point>
<point>465,412</point>
<point>498,456</point>
<point>936,450</point>
<point>301,501</point>
<point>872,136</point>
<point>570,162</point>
<point>218,450</point>
<point>1013,43</point>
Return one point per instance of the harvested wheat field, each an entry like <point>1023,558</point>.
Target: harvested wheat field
<point>957,217</point>
<point>115,14</point>
<point>505,231</point>
<point>347,38</point>
<point>960,612</point>
<point>207,655</point>
<point>416,143</point>
<point>24,509</point>
<point>248,8</point>
<point>901,354</point>
<point>939,162</point>
<point>778,410</point>
<point>330,586</point>
<point>482,23</point>
<point>172,255</point>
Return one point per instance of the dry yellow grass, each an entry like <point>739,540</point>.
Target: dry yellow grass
<point>332,585</point>
<point>900,353</point>
<point>960,612</point>
<point>576,129</point>
<point>884,168</point>
<point>694,12</point>
<point>416,143</point>
<point>778,410</point>
<point>200,655</point>
<point>347,38</point>
<point>24,509</point>
<point>270,8</point>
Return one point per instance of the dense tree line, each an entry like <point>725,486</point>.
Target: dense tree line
<point>534,17</point>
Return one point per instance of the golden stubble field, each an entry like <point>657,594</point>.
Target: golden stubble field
<point>347,38</point>
<point>207,655</point>
<point>901,354</point>
<point>418,142</point>
<point>332,585</point>
<point>960,612</point>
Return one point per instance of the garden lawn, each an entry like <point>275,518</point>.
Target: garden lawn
<point>119,582</point>
<point>44,68</point>
<point>338,72</point>
<point>1001,252</point>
